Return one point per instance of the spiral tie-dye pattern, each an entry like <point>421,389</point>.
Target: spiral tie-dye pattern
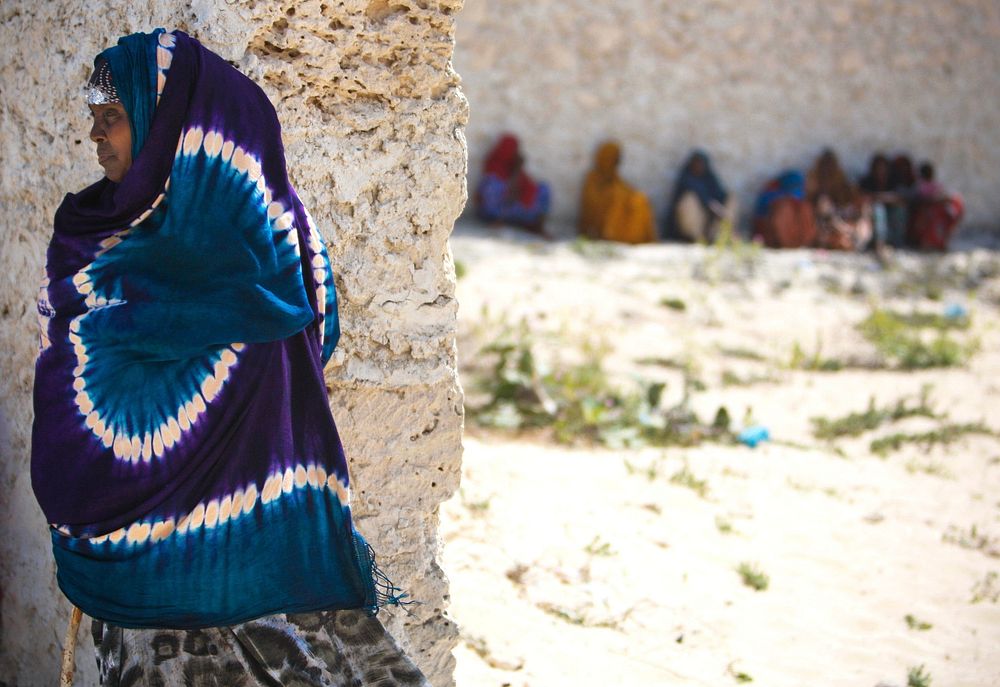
<point>183,447</point>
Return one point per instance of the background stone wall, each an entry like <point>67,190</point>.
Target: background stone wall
<point>761,84</point>
<point>372,119</point>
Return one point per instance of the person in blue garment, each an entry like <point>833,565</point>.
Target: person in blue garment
<point>700,204</point>
<point>507,194</point>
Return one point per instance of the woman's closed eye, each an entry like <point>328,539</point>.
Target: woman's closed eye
<point>104,114</point>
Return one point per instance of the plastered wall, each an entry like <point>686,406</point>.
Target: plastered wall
<point>761,84</point>
<point>372,119</point>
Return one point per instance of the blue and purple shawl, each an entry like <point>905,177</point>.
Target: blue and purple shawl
<point>183,448</point>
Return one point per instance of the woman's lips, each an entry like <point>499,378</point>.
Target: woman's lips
<point>101,159</point>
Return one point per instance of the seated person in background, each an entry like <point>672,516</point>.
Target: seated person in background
<point>699,204</point>
<point>928,187</point>
<point>783,218</point>
<point>842,215</point>
<point>506,194</point>
<point>902,177</point>
<point>889,202</point>
<point>610,209</point>
<point>936,214</point>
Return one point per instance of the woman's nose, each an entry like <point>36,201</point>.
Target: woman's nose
<point>97,133</point>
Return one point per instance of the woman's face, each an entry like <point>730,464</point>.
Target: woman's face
<point>113,136</point>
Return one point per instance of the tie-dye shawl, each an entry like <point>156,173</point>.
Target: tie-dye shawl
<point>183,447</point>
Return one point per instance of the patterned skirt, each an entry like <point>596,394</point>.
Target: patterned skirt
<point>324,649</point>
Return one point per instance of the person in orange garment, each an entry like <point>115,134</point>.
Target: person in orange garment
<point>610,209</point>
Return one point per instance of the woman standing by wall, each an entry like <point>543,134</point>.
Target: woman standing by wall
<point>183,449</point>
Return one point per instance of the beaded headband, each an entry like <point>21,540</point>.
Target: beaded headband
<point>101,88</point>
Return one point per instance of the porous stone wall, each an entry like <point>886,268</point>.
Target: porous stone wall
<point>372,119</point>
<point>761,84</point>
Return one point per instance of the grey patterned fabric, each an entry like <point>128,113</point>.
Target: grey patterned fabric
<point>326,649</point>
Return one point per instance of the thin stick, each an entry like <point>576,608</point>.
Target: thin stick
<point>69,649</point>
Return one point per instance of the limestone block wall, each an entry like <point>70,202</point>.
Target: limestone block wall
<point>761,84</point>
<point>373,119</point>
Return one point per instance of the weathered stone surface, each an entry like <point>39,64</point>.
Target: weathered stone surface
<point>372,119</point>
<point>761,85</point>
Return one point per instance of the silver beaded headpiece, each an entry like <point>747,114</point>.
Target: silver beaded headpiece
<point>101,88</point>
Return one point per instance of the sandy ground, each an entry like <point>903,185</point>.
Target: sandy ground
<point>588,566</point>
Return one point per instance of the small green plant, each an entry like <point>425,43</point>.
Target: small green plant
<point>797,485</point>
<point>685,478</point>
<point>460,269</point>
<point>565,614</point>
<point>742,353</point>
<point>855,424</point>
<point>972,539</point>
<point>578,403</point>
<point>926,320</point>
<point>797,445</point>
<point>929,467</point>
<point>479,645</point>
<point>730,378</point>
<point>738,675</point>
<point>595,250</point>
<point>668,363</point>
<point>900,340</point>
<point>729,241</point>
<point>597,547</point>
<point>694,384</point>
<point>800,360</point>
<point>723,525</point>
<point>987,589</point>
<point>673,303</point>
<point>917,676</point>
<point>651,471</point>
<point>944,435</point>
<point>722,421</point>
<point>914,624</point>
<point>753,576</point>
<point>474,507</point>
<point>581,617</point>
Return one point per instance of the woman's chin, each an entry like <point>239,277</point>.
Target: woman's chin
<point>115,175</point>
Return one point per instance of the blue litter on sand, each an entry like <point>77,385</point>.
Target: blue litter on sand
<point>955,311</point>
<point>753,435</point>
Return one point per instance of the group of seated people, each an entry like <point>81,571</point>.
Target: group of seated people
<point>890,206</point>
